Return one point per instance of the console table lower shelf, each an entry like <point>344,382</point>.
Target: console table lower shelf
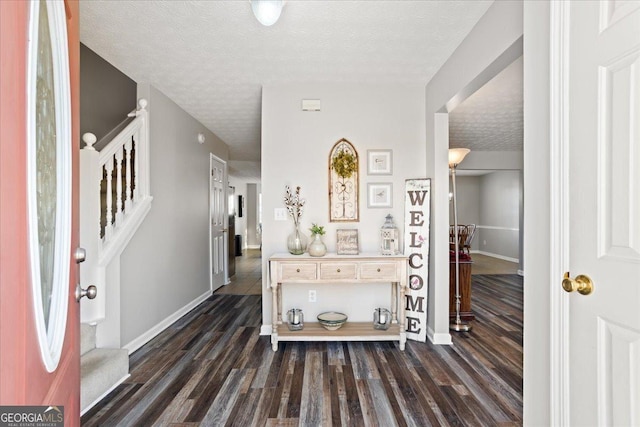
<point>351,271</point>
<point>350,331</point>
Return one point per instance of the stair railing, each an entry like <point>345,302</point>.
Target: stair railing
<point>120,172</point>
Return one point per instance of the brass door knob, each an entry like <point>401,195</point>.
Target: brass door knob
<point>581,283</point>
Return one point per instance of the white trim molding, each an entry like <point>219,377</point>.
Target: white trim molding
<point>265,330</point>
<point>438,339</point>
<point>491,227</point>
<point>492,255</point>
<point>164,324</point>
<point>103,395</point>
<point>50,331</point>
<point>559,396</point>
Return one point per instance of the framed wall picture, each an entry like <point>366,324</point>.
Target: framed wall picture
<point>379,162</point>
<point>344,186</point>
<point>379,195</point>
<point>347,242</point>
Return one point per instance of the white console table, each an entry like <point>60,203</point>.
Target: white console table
<point>346,269</point>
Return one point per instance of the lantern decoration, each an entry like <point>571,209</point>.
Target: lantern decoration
<point>389,237</point>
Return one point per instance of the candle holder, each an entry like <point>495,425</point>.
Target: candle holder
<point>295,319</point>
<point>381,319</point>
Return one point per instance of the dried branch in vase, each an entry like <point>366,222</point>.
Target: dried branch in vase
<point>294,204</point>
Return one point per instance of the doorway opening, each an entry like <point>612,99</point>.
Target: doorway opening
<point>489,181</point>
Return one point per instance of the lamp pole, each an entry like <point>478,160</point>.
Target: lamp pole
<point>458,155</point>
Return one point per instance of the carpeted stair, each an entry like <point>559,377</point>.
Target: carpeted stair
<point>101,369</point>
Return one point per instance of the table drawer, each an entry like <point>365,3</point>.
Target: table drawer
<point>298,272</point>
<point>338,270</point>
<point>379,270</point>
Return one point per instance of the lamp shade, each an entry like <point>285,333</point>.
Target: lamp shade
<point>267,11</point>
<point>456,155</point>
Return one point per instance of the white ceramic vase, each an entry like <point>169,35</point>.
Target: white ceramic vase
<point>317,246</point>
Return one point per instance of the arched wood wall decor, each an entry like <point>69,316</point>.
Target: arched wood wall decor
<point>343,183</point>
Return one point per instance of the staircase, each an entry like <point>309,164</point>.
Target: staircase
<point>114,200</point>
<point>101,369</point>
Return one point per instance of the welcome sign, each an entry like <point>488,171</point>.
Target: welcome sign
<point>416,247</point>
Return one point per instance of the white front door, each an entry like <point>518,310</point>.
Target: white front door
<point>218,221</point>
<point>604,211</point>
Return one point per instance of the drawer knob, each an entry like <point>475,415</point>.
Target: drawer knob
<point>338,270</point>
<point>378,270</point>
<point>297,270</point>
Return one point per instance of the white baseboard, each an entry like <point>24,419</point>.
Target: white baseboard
<point>506,258</point>
<point>164,324</point>
<point>439,339</point>
<point>252,247</point>
<point>265,330</point>
<point>103,395</point>
<point>520,273</point>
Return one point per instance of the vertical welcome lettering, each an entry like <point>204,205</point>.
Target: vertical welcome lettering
<point>416,247</point>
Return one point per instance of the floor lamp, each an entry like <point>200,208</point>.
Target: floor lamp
<point>456,155</point>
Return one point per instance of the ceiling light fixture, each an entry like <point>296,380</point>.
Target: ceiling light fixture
<point>267,11</point>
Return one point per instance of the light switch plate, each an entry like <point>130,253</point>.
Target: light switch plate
<point>280,214</point>
<point>310,105</point>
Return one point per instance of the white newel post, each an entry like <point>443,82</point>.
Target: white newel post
<point>91,311</point>
<point>142,147</point>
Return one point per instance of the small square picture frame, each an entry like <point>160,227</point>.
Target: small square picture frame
<point>380,195</point>
<point>379,162</point>
<point>347,242</point>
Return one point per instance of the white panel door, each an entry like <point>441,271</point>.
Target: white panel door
<point>218,220</point>
<point>604,211</point>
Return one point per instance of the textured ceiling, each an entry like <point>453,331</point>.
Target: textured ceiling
<point>491,119</point>
<point>212,57</point>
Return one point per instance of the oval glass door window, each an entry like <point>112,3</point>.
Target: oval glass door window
<point>49,174</point>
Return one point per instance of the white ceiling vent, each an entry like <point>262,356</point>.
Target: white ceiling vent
<point>310,105</point>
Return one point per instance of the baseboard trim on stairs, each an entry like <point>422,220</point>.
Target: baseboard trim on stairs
<point>164,324</point>
<point>103,395</point>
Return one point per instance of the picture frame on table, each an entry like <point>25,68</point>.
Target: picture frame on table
<point>379,162</point>
<point>380,195</point>
<point>347,242</point>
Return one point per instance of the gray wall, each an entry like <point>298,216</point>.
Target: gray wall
<point>251,211</point>
<point>166,265</point>
<point>106,94</point>
<point>240,186</point>
<point>492,202</point>
<point>500,214</point>
<point>468,201</point>
<point>247,225</point>
<point>537,283</point>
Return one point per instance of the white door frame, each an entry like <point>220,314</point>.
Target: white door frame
<point>225,185</point>
<point>559,212</point>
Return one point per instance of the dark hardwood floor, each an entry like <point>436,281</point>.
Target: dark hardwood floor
<point>212,368</point>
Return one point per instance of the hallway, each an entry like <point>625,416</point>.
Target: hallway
<point>212,368</point>
<point>248,277</point>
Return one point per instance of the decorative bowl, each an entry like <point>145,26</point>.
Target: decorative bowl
<point>332,320</point>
